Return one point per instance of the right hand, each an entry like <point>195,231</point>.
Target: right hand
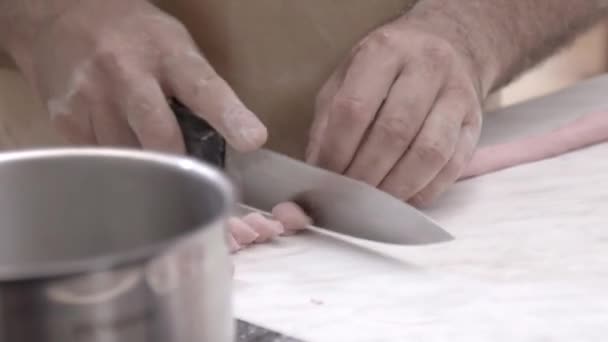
<point>106,68</point>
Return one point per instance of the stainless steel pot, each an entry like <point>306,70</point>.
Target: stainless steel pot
<point>113,245</point>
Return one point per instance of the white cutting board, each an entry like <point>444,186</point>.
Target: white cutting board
<point>529,262</point>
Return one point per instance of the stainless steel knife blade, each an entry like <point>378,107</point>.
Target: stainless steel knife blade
<point>335,202</point>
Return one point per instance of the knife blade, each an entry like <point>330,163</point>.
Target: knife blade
<point>334,202</point>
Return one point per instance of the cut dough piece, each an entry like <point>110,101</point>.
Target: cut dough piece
<point>266,228</point>
<point>291,216</point>
<point>243,233</point>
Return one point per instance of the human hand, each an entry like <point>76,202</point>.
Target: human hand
<point>105,69</point>
<point>402,112</point>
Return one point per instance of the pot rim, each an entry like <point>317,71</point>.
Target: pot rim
<point>56,269</point>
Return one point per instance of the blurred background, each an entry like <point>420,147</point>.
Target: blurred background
<point>586,57</point>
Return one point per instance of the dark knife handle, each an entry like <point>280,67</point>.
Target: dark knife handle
<point>202,141</point>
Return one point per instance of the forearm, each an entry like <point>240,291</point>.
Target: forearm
<point>507,37</point>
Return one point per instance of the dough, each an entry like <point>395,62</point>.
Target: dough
<point>243,234</point>
<point>255,228</point>
<point>585,131</point>
<point>266,228</point>
<point>291,216</point>
<point>252,228</point>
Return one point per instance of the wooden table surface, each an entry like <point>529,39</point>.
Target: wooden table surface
<point>529,261</point>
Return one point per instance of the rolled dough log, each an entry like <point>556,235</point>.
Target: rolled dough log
<point>585,131</point>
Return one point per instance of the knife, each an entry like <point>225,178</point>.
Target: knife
<point>334,202</point>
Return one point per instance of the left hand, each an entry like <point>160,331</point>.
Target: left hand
<point>403,112</point>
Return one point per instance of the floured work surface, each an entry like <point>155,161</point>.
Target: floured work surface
<point>528,263</point>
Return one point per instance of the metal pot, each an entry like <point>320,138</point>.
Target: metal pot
<point>113,245</point>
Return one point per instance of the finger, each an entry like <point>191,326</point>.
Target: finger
<point>113,130</point>
<point>267,229</point>
<point>317,130</point>
<point>355,104</point>
<point>149,115</point>
<point>319,123</point>
<point>200,88</point>
<point>110,125</point>
<point>242,232</point>
<point>399,121</point>
<point>430,151</point>
<point>451,171</point>
<point>72,118</point>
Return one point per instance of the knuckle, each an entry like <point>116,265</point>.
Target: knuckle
<point>384,37</point>
<point>396,130</point>
<point>438,52</point>
<point>465,95</point>
<point>467,104</point>
<point>349,108</point>
<point>432,151</point>
<point>111,59</point>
